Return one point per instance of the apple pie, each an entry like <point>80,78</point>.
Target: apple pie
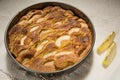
<point>50,39</point>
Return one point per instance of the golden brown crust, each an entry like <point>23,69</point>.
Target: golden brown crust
<point>50,39</point>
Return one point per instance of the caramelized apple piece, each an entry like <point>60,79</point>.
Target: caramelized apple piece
<point>62,38</point>
<point>39,47</point>
<point>73,30</point>
<point>22,40</point>
<point>34,28</point>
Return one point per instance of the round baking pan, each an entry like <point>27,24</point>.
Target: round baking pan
<point>76,11</point>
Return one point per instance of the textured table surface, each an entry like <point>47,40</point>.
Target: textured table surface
<point>105,16</point>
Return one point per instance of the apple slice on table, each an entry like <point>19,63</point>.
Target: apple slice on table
<point>110,55</point>
<point>106,43</point>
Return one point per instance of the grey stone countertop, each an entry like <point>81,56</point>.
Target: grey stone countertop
<point>105,16</point>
